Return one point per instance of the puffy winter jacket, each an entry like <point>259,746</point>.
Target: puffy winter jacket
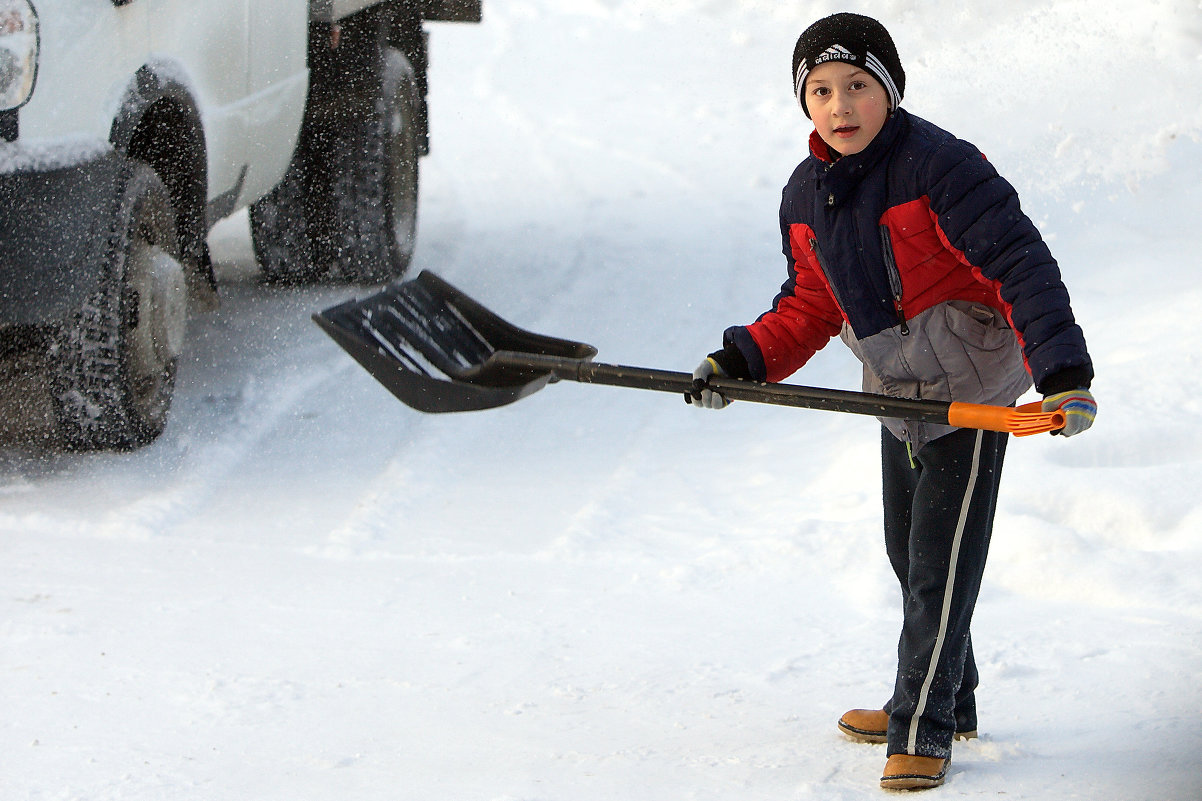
<point>916,251</point>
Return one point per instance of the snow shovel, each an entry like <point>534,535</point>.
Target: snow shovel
<point>437,350</point>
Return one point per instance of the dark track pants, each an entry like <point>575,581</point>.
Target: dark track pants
<point>938,520</point>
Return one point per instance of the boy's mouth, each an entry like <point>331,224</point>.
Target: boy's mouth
<point>846,131</point>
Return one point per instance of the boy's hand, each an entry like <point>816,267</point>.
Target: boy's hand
<point>701,397</point>
<point>1079,409</point>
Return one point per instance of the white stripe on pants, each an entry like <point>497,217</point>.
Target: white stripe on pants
<point>941,637</point>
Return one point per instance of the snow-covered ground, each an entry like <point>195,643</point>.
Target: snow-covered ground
<point>306,590</point>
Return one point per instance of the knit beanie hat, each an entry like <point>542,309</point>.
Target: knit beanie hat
<point>852,38</point>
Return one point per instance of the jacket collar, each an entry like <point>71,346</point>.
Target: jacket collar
<point>839,176</point>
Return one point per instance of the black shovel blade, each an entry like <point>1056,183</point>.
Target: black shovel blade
<point>431,346</point>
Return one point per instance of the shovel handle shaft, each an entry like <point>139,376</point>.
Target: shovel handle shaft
<point>1022,421</point>
<point>831,400</point>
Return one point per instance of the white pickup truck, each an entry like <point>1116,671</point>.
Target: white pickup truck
<point>129,127</point>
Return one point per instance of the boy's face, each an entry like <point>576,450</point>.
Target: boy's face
<point>848,106</point>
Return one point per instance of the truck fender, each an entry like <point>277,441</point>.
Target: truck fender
<point>158,122</point>
<point>57,217</point>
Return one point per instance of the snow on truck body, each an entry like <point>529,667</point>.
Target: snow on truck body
<point>129,127</point>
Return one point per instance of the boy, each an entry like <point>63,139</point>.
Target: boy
<point>906,242</point>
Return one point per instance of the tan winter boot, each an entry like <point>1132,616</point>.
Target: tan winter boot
<point>865,725</point>
<point>906,772</point>
<point>872,726</point>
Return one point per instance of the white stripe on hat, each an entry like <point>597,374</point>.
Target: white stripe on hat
<point>873,63</point>
<point>799,80</point>
<point>840,53</point>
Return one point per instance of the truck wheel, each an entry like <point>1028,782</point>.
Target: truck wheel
<point>366,209</point>
<point>114,362</point>
<point>346,209</point>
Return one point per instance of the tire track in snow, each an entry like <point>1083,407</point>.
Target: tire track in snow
<point>264,405</point>
<point>245,370</point>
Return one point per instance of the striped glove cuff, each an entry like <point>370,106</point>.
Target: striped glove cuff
<point>1079,409</point>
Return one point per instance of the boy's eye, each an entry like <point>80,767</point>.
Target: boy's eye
<point>857,85</point>
<point>821,91</point>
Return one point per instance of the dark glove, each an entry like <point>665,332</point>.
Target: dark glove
<point>726,363</point>
<point>702,397</point>
<point>1079,409</point>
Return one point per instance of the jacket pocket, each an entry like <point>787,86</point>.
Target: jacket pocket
<point>977,326</point>
<point>978,351</point>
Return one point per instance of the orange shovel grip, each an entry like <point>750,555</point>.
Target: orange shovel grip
<point>1022,421</point>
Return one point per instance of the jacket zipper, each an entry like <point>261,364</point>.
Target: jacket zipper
<point>822,266</point>
<point>895,283</point>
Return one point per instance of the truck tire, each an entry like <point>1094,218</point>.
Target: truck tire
<point>113,364</point>
<point>367,227</point>
<point>347,209</point>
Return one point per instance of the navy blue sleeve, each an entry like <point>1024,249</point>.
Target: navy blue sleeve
<point>978,212</point>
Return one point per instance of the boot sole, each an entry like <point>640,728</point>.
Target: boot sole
<point>911,782</point>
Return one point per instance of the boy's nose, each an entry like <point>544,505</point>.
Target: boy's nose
<point>840,106</point>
